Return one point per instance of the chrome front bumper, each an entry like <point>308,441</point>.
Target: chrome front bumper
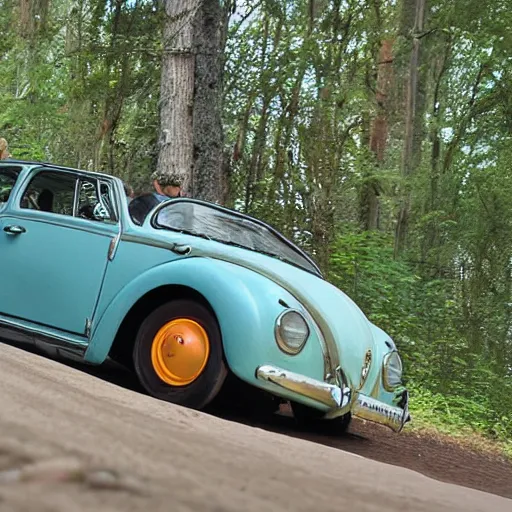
<point>339,399</point>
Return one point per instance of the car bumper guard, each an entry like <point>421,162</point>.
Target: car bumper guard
<point>338,398</point>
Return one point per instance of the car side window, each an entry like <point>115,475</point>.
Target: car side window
<point>70,194</point>
<point>8,178</point>
<point>52,192</point>
<point>95,201</point>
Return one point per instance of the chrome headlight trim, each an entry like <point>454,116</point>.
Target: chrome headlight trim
<point>329,370</point>
<point>279,335</point>
<point>365,370</point>
<point>391,382</point>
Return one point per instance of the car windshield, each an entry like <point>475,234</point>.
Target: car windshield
<point>8,177</point>
<point>231,228</point>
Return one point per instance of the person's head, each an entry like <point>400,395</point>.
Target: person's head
<point>167,184</point>
<point>4,149</point>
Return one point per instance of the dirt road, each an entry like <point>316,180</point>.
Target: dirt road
<point>69,441</point>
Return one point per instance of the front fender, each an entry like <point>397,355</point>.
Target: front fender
<point>245,303</point>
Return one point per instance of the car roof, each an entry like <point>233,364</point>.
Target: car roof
<point>53,166</point>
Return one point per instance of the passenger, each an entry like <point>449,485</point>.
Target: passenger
<point>166,185</point>
<point>4,149</point>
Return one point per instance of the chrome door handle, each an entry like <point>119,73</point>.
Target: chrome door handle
<point>15,230</point>
<point>183,250</point>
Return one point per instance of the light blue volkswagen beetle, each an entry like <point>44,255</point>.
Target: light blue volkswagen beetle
<point>193,295</point>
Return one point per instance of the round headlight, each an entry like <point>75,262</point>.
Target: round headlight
<point>291,331</point>
<point>392,371</point>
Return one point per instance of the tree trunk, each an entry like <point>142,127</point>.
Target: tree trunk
<point>208,138</point>
<point>114,99</point>
<point>432,203</point>
<point>413,117</point>
<point>379,132</point>
<point>177,91</point>
<point>369,205</point>
<point>258,144</point>
<point>33,16</point>
<point>191,136</point>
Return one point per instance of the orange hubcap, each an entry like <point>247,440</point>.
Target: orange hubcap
<point>180,351</point>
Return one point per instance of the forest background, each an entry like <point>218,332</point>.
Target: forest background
<point>377,134</point>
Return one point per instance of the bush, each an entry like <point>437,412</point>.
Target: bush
<point>453,384</point>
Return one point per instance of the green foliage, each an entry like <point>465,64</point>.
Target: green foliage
<point>84,91</point>
<point>459,416</point>
<point>452,385</point>
<point>362,265</point>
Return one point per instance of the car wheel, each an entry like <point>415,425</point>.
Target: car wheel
<point>313,419</point>
<point>178,354</point>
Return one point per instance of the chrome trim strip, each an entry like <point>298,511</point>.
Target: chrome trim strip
<point>76,197</point>
<point>368,359</point>
<point>112,248</point>
<point>88,324</point>
<point>117,201</point>
<point>368,408</point>
<point>35,336</point>
<point>146,240</point>
<point>326,394</point>
<point>329,367</point>
<point>35,327</point>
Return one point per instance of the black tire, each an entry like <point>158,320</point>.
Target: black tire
<point>312,419</point>
<point>239,398</point>
<point>201,391</point>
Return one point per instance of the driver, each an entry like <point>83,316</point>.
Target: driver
<point>166,185</point>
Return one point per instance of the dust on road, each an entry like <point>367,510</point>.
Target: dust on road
<point>70,441</point>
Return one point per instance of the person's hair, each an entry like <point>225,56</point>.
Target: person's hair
<point>4,146</point>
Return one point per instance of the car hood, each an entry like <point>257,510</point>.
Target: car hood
<point>346,330</point>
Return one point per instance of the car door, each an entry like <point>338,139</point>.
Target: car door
<point>54,250</point>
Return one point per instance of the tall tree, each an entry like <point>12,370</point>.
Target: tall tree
<point>191,136</point>
<point>378,135</point>
<point>177,90</point>
<point>210,32</point>
<point>413,17</point>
